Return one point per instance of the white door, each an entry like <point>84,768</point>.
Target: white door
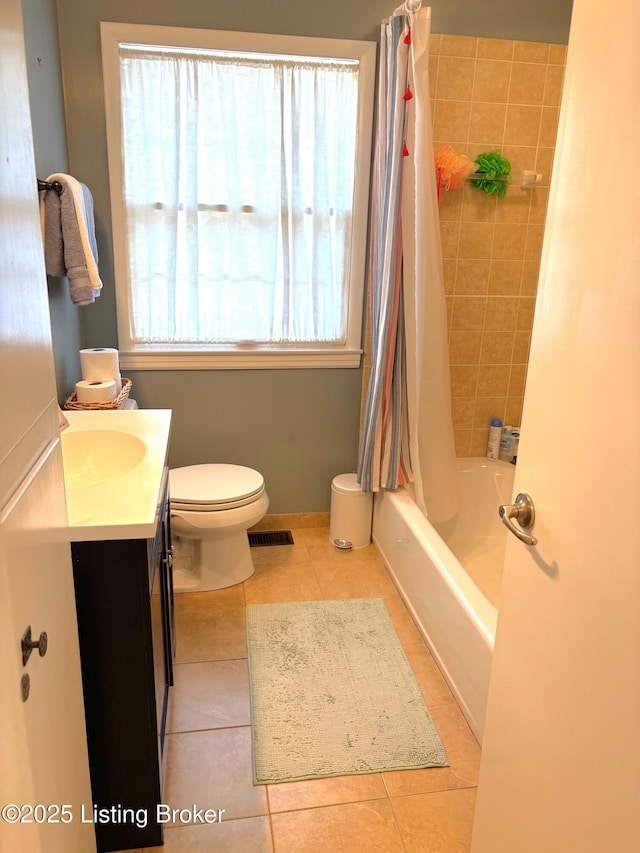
<point>560,767</point>
<point>44,774</point>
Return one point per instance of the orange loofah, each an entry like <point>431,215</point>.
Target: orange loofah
<point>452,168</point>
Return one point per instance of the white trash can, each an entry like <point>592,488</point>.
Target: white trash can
<point>351,513</point>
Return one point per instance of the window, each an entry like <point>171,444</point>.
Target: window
<point>239,168</point>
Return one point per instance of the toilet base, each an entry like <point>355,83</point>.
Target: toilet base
<point>215,563</point>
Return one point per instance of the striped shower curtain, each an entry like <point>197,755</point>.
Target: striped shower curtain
<point>407,432</point>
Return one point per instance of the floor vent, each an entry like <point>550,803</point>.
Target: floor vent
<point>270,537</point>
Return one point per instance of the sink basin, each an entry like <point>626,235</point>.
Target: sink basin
<point>95,456</point>
<point>115,471</point>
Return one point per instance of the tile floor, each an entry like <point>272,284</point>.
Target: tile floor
<point>209,745</point>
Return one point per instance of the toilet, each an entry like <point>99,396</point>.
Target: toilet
<point>212,507</point>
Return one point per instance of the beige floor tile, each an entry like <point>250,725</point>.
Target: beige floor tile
<point>281,521</point>
<point>436,823</point>
<point>461,741</point>
<point>360,577</point>
<point>462,751</point>
<point>316,519</point>
<point>209,695</point>
<point>212,770</point>
<point>353,828</point>
<point>431,681</point>
<point>249,835</point>
<point>406,628</point>
<point>209,749</point>
<point>322,548</point>
<point>275,583</point>
<point>210,625</point>
<point>325,792</point>
<point>295,553</point>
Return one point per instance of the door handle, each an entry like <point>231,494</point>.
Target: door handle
<point>522,511</point>
<point>28,645</point>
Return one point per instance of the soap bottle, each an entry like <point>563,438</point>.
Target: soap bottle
<point>506,444</point>
<point>495,434</point>
<point>516,441</point>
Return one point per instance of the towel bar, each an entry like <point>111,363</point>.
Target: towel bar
<point>46,185</point>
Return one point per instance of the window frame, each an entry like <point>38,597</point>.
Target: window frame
<point>189,357</point>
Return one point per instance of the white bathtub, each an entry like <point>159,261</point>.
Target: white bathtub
<point>455,616</point>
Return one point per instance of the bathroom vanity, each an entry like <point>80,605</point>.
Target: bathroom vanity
<point>122,568</point>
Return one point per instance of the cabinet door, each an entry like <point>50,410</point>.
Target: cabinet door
<point>168,576</point>
<point>116,613</point>
<point>160,670</point>
<point>162,618</point>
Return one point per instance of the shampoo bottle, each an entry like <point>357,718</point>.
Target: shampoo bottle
<point>495,434</point>
<point>506,444</point>
<point>516,441</point>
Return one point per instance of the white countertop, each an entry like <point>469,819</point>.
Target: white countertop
<point>126,505</point>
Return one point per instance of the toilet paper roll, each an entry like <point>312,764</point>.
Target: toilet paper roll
<point>101,364</point>
<point>92,391</point>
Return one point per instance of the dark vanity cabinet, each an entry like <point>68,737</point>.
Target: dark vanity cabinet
<point>124,599</point>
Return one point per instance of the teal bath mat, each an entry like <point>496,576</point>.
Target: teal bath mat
<point>332,693</point>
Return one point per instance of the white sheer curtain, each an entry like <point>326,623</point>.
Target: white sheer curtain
<point>239,184</point>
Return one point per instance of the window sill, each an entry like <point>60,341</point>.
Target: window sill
<point>250,359</point>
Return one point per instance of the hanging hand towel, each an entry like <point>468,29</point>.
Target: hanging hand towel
<point>70,247</point>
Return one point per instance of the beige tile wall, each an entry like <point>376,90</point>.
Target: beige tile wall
<point>488,94</point>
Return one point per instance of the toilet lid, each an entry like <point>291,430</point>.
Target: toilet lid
<point>214,486</point>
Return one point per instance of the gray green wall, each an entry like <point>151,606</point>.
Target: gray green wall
<point>50,152</point>
<point>299,428</point>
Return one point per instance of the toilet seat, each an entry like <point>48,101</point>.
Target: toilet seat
<point>214,487</point>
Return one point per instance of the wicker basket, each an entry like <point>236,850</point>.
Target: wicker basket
<point>73,403</point>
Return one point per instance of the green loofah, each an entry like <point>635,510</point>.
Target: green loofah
<point>492,165</point>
